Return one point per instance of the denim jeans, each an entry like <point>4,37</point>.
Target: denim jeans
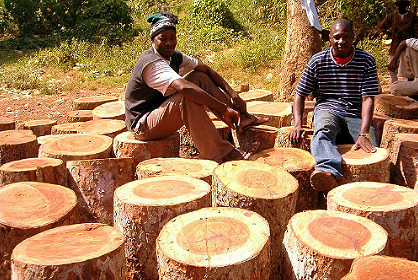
<point>331,130</point>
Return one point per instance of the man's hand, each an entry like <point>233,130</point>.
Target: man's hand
<point>240,104</point>
<point>231,118</point>
<point>364,143</point>
<point>296,135</point>
<point>393,65</point>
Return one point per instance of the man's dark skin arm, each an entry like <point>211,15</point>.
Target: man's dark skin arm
<point>297,133</point>
<point>366,120</point>
<point>199,96</point>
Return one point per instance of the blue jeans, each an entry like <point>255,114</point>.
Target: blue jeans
<point>331,130</point>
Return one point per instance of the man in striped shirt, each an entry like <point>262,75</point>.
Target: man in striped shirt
<point>343,79</point>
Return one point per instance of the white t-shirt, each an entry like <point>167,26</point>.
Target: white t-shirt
<point>310,8</point>
<point>412,43</point>
<point>159,75</point>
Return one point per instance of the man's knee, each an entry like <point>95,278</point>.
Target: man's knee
<point>197,77</point>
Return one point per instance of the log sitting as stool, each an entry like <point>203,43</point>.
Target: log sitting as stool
<point>263,134</point>
<point>400,107</point>
<point>17,144</point>
<point>215,243</point>
<point>79,116</point>
<point>80,251</point>
<point>28,208</point>
<point>358,165</point>
<point>47,170</point>
<point>323,244</point>
<point>40,127</point>
<point>279,114</point>
<point>143,207</point>
<point>126,145</point>
<point>393,207</point>
<point>261,188</point>
<point>197,168</point>
<point>257,95</point>
<point>91,102</point>
<point>110,110</point>
<point>382,267</point>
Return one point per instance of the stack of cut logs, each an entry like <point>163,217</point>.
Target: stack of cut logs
<point>86,200</point>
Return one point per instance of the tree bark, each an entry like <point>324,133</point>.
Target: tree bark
<point>40,127</point>
<point>283,141</point>
<point>302,41</point>
<point>264,134</point>
<point>406,168</point>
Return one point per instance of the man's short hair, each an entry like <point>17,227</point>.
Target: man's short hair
<point>345,22</point>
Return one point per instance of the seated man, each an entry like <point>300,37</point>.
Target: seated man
<point>406,56</point>
<point>159,100</point>
<point>343,79</point>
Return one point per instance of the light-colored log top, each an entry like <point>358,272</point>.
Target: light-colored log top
<point>77,145</point>
<point>34,204</point>
<point>29,164</point>
<point>68,244</point>
<point>212,237</point>
<point>360,156</point>
<point>289,159</point>
<point>373,196</point>
<point>16,137</point>
<point>196,168</point>
<point>274,108</point>
<point>115,109</point>
<point>164,190</point>
<point>338,235</point>
<point>256,94</point>
<point>256,179</point>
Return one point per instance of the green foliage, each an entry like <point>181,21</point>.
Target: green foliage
<point>26,15</point>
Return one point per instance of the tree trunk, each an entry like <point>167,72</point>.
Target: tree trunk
<point>28,208</point>
<point>215,243</point>
<point>80,251</point>
<point>7,124</point>
<point>261,188</point>
<point>393,207</point>
<point>143,207</point>
<point>264,134</point>
<point>382,267</point>
<point>302,42</point>
<point>406,168</point>
<point>40,127</point>
<point>322,244</point>
<point>47,170</point>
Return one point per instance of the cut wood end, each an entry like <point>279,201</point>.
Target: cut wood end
<point>29,164</point>
<point>34,204</point>
<point>372,196</point>
<point>403,123</point>
<point>382,267</point>
<point>360,156</point>
<point>162,191</point>
<point>401,101</point>
<point>338,235</point>
<point>288,159</point>
<point>110,109</point>
<point>77,145</point>
<point>94,99</point>
<point>102,126</point>
<point>269,108</point>
<point>16,137</point>
<point>214,237</point>
<point>68,244</point>
<point>255,93</point>
<point>256,179</point>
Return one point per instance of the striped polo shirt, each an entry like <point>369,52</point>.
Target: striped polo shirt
<point>339,88</point>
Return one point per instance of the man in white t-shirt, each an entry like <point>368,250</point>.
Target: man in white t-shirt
<point>159,100</point>
<point>406,56</point>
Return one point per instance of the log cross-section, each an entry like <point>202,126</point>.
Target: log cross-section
<point>17,144</point>
<point>215,243</point>
<point>143,207</point>
<point>279,114</point>
<point>80,251</point>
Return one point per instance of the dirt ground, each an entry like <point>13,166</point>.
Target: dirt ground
<point>25,106</point>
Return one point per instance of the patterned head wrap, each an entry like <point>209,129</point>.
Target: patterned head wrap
<point>160,22</point>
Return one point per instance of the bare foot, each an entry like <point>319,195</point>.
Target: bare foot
<point>252,120</point>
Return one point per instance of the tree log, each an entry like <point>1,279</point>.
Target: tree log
<point>187,146</point>
<point>197,168</point>
<point>392,106</point>
<point>91,102</point>
<point>261,188</point>
<point>382,267</point>
<point>379,123</point>
<point>66,128</point>
<point>106,127</point>
<point>398,139</point>
<point>278,113</point>
<point>125,145</point>
<point>406,168</point>
<point>80,116</point>
<point>28,208</point>
<point>40,127</point>
<point>264,134</point>
<point>393,127</point>
<point>257,95</point>
<point>393,207</point>
<point>323,244</point>
<point>47,170</point>
<point>7,124</point>
<point>309,107</point>
<point>110,110</point>
<point>300,164</point>
<point>283,141</point>
<point>81,251</point>
<point>215,243</point>
<point>17,144</point>
<point>43,139</point>
<point>77,147</point>
<point>143,207</point>
<point>94,181</point>
<point>358,165</point>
